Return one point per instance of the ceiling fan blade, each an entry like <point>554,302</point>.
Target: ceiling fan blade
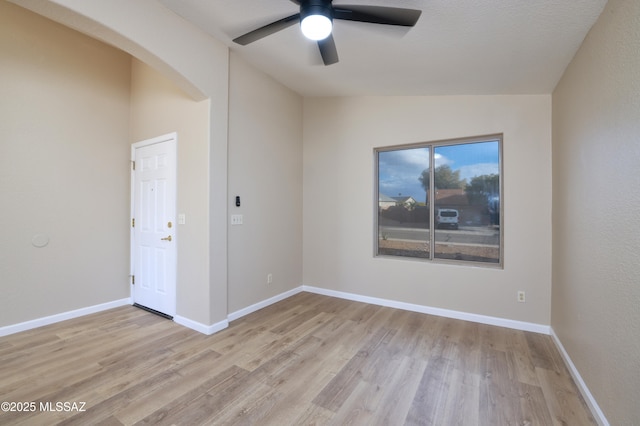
<point>328,50</point>
<point>268,29</point>
<point>377,14</point>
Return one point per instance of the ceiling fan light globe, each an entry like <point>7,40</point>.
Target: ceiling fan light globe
<point>316,27</point>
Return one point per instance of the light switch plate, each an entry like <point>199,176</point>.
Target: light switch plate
<point>236,219</point>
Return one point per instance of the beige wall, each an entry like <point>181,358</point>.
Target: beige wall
<point>159,107</point>
<point>149,31</point>
<point>339,137</point>
<point>265,170</point>
<point>596,201</point>
<point>64,152</point>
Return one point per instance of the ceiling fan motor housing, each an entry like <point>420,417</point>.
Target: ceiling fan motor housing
<point>316,7</point>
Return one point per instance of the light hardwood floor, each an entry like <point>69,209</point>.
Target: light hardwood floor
<point>309,359</point>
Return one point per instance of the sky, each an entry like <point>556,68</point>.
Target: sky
<point>399,170</point>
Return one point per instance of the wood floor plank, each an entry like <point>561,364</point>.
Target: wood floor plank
<point>313,415</point>
<point>430,398</point>
<point>103,410</point>
<point>297,317</point>
<point>55,376</point>
<point>308,359</point>
<point>563,399</point>
<point>362,313</point>
<point>204,400</point>
<point>446,342</point>
<point>534,407</point>
<point>247,348</point>
<point>544,353</point>
<point>360,405</point>
<point>468,349</point>
<point>192,374</point>
<point>499,402</point>
<point>463,400</point>
<point>298,385</point>
<point>281,342</point>
<point>251,408</point>
<point>519,358</point>
<point>401,390</point>
<point>338,390</point>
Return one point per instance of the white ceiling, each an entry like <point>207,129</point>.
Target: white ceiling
<point>458,47</point>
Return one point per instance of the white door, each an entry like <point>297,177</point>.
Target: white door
<point>153,244</point>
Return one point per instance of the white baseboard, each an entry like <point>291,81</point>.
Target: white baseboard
<point>194,325</point>
<point>249,309</point>
<point>202,328</point>
<point>483,319</point>
<point>588,397</point>
<point>40,322</point>
<point>214,328</point>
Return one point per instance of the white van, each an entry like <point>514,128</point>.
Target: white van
<point>447,218</point>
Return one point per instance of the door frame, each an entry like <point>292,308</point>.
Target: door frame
<point>173,136</point>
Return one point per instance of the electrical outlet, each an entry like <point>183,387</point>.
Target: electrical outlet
<point>269,278</point>
<point>521,298</point>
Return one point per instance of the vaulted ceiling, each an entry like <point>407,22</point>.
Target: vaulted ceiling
<point>458,47</point>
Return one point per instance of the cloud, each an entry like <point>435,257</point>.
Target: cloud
<point>400,170</point>
<point>472,170</point>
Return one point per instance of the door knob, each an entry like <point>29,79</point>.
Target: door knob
<point>166,238</point>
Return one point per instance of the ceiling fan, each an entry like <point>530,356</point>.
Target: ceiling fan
<point>316,22</point>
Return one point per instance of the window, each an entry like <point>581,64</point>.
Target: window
<point>451,187</point>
